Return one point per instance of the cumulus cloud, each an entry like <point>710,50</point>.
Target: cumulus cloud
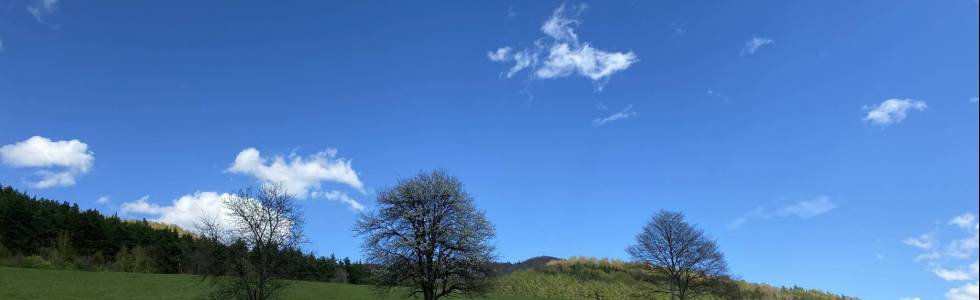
<point>41,9</point>
<point>892,111</point>
<point>501,54</point>
<point>299,174</point>
<point>185,211</point>
<point>342,197</point>
<point>754,44</point>
<point>561,54</point>
<point>60,161</point>
<point>911,298</point>
<point>805,209</point>
<point>963,221</point>
<point>952,275</point>
<point>620,115</point>
<point>970,291</point>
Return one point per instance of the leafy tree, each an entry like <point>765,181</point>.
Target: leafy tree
<point>427,233</point>
<point>690,261</point>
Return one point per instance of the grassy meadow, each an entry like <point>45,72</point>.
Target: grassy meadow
<point>20,283</point>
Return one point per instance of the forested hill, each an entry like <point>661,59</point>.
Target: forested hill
<point>44,233</point>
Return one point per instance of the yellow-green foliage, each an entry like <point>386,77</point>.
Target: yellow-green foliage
<point>765,291</point>
<point>590,262</point>
<point>161,225</point>
<point>564,286</point>
<point>588,278</point>
<point>581,278</point>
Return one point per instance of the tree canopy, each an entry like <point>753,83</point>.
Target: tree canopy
<point>426,233</point>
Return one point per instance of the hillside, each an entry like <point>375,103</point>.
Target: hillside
<point>590,278</point>
<point>45,234</point>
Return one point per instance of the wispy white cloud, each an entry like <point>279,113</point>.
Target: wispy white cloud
<point>911,298</point>
<point>620,115</point>
<point>801,210</point>
<point>41,9</point>
<point>754,44</point>
<point>299,174</point>
<point>946,260</point>
<point>501,54</point>
<point>952,275</point>
<point>680,28</point>
<point>807,209</point>
<point>963,221</point>
<point>892,111</point>
<point>719,95</point>
<point>923,241</point>
<point>103,200</point>
<point>342,197</point>
<point>562,54</point>
<point>60,162</point>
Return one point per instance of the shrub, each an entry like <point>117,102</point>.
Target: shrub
<point>36,261</point>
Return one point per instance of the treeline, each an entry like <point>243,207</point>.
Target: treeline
<point>42,233</point>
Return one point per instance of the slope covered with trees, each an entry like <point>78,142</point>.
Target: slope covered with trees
<point>44,233</point>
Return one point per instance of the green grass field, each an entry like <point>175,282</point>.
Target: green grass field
<point>18,283</point>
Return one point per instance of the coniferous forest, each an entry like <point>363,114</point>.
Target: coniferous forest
<point>43,233</point>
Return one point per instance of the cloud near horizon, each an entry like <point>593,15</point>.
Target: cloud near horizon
<point>950,261</point>
<point>805,209</point>
<point>185,211</point>
<point>59,162</point>
<point>300,175</point>
<point>561,54</point>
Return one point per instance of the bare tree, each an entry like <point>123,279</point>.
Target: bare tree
<point>427,234</point>
<point>249,258</point>
<point>680,252</point>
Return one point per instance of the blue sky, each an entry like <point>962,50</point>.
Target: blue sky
<point>827,144</point>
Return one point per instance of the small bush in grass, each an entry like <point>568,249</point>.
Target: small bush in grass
<point>36,261</point>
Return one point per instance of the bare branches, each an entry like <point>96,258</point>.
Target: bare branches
<point>681,252</point>
<point>427,233</point>
<point>258,227</point>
